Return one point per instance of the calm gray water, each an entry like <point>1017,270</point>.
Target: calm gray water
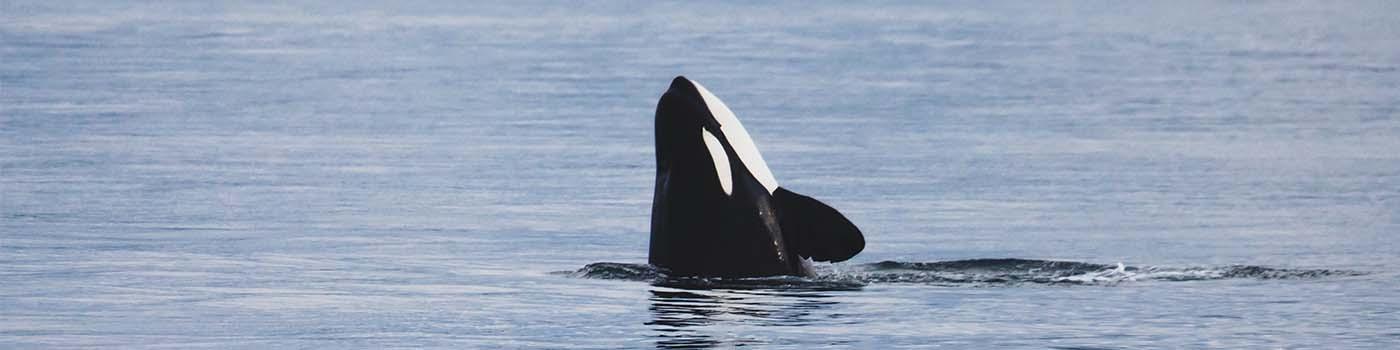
<point>435,175</point>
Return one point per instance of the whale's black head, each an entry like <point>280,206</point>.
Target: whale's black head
<point>717,209</point>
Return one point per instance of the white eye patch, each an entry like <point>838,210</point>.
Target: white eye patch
<point>721,160</point>
<point>738,139</point>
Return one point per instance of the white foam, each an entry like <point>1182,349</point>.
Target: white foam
<point>739,139</point>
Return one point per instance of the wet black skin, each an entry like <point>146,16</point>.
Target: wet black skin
<point>698,230</point>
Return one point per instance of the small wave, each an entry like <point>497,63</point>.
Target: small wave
<point>973,272</point>
<point>617,271</point>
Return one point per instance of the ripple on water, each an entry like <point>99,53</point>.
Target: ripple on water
<point>972,272</point>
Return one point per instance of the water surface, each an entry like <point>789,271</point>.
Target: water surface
<point>439,175</point>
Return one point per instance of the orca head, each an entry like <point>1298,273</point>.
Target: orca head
<point>688,108</point>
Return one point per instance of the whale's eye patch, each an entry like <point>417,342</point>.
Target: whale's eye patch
<point>721,161</point>
<point>738,138</point>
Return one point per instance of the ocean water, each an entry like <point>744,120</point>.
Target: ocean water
<point>1083,175</point>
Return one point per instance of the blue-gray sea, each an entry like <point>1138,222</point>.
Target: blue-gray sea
<point>1029,175</point>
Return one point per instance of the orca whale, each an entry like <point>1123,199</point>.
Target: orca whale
<point>718,211</point>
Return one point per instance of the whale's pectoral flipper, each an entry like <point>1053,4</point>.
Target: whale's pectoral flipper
<point>815,230</point>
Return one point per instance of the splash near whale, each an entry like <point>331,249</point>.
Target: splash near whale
<point>719,212</point>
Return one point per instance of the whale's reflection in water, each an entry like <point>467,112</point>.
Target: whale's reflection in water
<point>686,317</point>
